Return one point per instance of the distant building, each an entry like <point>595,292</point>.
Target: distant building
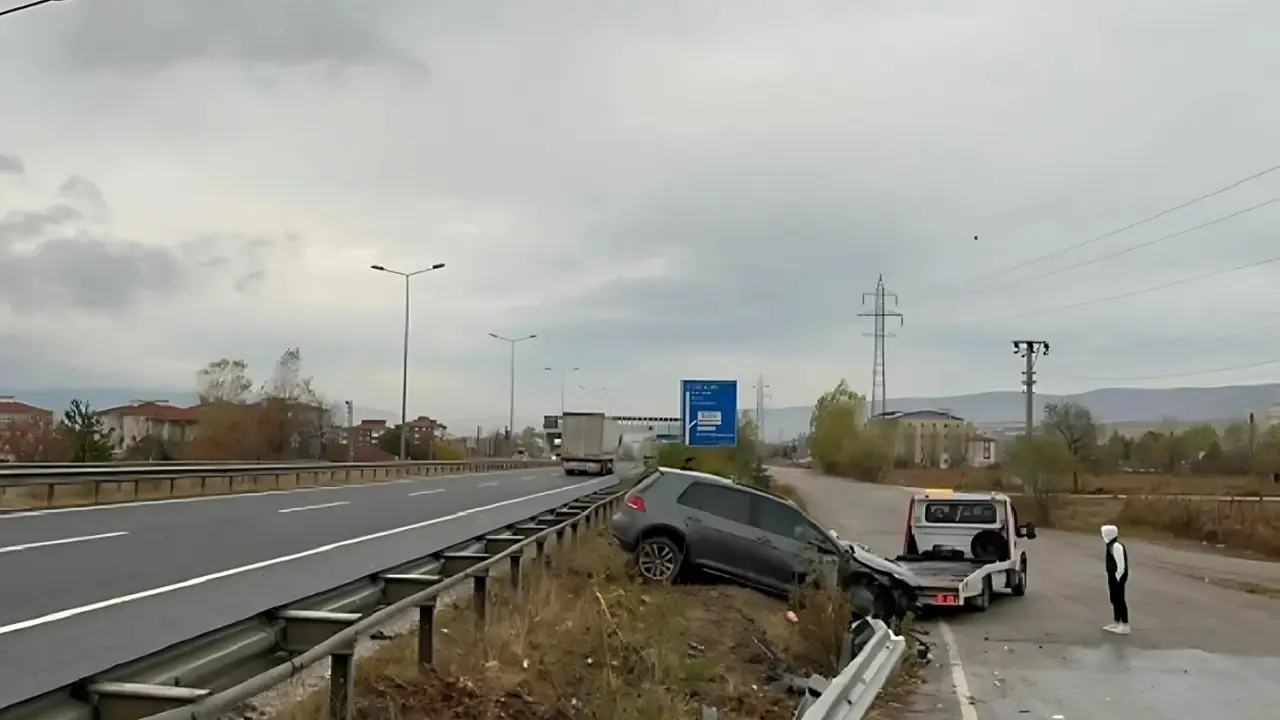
<point>13,410</point>
<point>424,429</point>
<point>932,438</point>
<point>158,419</point>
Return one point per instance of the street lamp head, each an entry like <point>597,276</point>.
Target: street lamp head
<point>548,369</point>
<point>531,337</point>
<point>378,267</point>
<point>437,266</point>
<point>496,335</point>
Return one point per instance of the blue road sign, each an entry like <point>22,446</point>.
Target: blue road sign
<point>709,412</point>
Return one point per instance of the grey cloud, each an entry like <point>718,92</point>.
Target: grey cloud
<point>77,189</point>
<point>11,165</point>
<point>144,36</point>
<point>48,261</point>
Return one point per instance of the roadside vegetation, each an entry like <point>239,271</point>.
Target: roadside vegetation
<point>586,639</point>
<point>742,463</point>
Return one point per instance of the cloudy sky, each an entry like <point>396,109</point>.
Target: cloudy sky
<point>658,190</point>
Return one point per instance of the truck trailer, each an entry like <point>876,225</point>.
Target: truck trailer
<point>589,444</point>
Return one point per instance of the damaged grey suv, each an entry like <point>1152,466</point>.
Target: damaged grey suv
<point>676,521</point>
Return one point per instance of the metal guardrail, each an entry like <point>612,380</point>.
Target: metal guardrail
<point>850,694</point>
<point>209,676</point>
<point>193,480</point>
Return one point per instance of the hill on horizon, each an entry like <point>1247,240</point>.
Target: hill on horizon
<point>1109,405</point>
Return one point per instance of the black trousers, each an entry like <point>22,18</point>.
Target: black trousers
<point>1119,607</point>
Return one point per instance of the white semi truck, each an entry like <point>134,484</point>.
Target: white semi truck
<point>589,443</point>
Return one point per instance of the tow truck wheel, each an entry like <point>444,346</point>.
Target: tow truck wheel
<point>1019,584</point>
<point>983,600</point>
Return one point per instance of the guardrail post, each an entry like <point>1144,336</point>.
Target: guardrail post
<point>540,551</point>
<point>514,570</point>
<point>480,597</point>
<point>426,633</point>
<point>342,685</point>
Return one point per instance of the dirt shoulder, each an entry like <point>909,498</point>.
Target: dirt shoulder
<point>587,640</point>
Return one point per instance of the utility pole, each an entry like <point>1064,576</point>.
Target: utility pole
<point>878,364</point>
<point>1031,350</point>
<point>351,431</point>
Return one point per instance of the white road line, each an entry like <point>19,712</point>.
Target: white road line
<point>528,477</point>
<point>314,507</point>
<point>426,492</point>
<point>64,541</point>
<point>193,582</point>
<point>958,679</point>
<point>229,496</point>
<point>487,484</point>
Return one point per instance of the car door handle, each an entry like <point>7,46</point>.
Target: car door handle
<point>764,540</point>
<point>693,520</point>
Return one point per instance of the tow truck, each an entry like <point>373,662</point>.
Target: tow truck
<point>959,548</point>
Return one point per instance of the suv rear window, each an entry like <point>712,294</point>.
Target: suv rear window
<point>725,502</point>
<point>960,513</point>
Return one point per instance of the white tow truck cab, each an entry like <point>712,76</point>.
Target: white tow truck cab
<point>962,547</point>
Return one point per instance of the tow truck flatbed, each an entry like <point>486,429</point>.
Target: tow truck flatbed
<point>959,548</point>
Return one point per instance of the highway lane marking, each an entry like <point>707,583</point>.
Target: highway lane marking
<point>234,496</point>
<point>958,679</point>
<point>426,492</point>
<point>64,541</point>
<point>487,484</point>
<point>193,582</point>
<point>314,507</point>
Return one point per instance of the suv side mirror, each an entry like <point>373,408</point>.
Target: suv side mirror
<point>1027,531</point>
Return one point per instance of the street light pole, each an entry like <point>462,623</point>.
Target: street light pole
<point>511,407</point>
<point>563,375</point>
<point>404,368</point>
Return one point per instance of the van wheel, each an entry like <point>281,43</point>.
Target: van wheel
<point>1019,584</point>
<point>983,600</point>
<point>658,559</point>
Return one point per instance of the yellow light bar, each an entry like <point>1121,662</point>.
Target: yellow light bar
<point>941,491</point>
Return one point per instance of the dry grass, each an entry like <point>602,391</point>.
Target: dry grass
<point>1242,525</point>
<point>30,497</point>
<point>1111,484</point>
<point>588,640</point>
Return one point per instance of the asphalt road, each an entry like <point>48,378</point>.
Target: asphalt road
<point>84,589</point>
<point>1197,650</point>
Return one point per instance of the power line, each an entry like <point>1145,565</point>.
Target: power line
<point>1232,368</point>
<point>1117,231</point>
<point>1143,291</point>
<point>28,6</point>
<point>1131,248</point>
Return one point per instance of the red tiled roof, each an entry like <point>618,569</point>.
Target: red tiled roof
<point>11,406</point>
<point>155,410</point>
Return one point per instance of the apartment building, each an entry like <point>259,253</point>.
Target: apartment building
<point>128,424</point>
<point>15,412</point>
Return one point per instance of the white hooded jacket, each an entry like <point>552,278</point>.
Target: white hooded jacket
<point>1118,551</point>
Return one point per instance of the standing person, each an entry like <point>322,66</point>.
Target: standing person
<point>688,464</point>
<point>1117,578</point>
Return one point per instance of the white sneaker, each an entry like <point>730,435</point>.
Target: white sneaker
<point>1112,627</point>
<point>1122,629</point>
